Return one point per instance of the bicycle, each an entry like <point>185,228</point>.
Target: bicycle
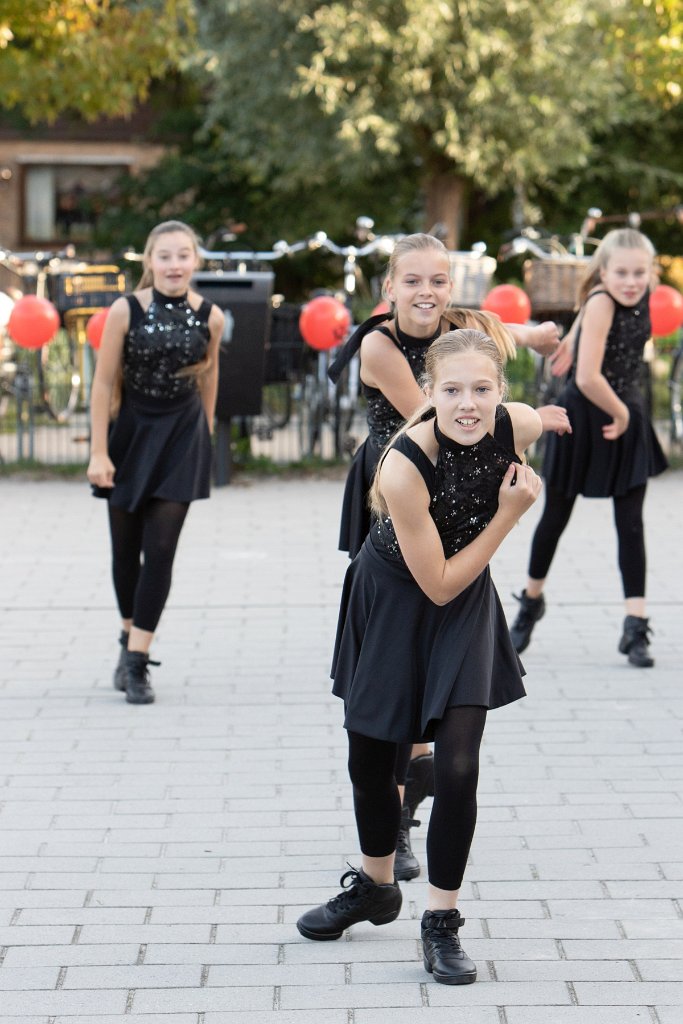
<point>78,290</point>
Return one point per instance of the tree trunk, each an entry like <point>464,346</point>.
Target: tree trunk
<point>445,204</point>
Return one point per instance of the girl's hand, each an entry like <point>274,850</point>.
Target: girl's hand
<point>100,471</point>
<point>563,357</point>
<point>519,490</point>
<point>618,426</point>
<point>554,418</point>
<point>544,338</point>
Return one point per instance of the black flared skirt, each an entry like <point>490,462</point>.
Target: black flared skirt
<point>400,660</point>
<point>583,462</point>
<point>160,449</point>
<point>356,516</point>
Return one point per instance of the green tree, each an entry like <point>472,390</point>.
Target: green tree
<point>92,57</point>
<point>456,94</point>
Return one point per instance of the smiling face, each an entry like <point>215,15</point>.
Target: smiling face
<point>173,260</point>
<point>626,275</point>
<point>420,289</point>
<point>465,393</point>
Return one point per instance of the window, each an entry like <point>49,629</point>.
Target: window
<point>63,202</point>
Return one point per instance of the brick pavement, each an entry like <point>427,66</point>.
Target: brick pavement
<point>153,860</point>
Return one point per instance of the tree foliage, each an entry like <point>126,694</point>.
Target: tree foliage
<point>94,57</point>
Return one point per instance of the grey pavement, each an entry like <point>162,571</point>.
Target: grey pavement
<point>153,860</point>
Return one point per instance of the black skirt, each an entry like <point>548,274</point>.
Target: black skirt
<point>356,517</point>
<point>583,462</point>
<point>160,449</point>
<point>400,660</point>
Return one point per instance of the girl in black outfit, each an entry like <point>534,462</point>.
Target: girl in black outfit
<point>157,372</point>
<point>422,649</point>
<point>613,449</point>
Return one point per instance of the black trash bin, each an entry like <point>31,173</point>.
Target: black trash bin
<point>245,300</point>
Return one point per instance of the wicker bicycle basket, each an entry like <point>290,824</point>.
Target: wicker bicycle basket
<point>553,284</point>
<point>95,288</point>
<point>471,274</point>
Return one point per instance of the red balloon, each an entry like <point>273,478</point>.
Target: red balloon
<point>508,302</point>
<point>95,327</point>
<point>381,307</point>
<point>666,310</point>
<point>33,322</point>
<point>324,322</point>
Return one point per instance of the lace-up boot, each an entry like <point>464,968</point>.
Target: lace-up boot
<point>419,782</point>
<point>406,864</point>
<point>120,670</point>
<point>442,954</point>
<point>531,610</point>
<point>361,900</point>
<point>635,641</point>
<point>138,689</point>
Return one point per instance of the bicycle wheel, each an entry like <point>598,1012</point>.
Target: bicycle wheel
<point>675,397</point>
<point>59,378</point>
<point>311,417</point>
<point>276,410</point>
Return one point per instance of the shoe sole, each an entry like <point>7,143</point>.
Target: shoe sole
<point>449,979</point>
<point>119,685</point>
<point>331,936</point>
<point>147,700</point>
<point>406,874</point>
<point>524,645</point>
<point>625,649</point>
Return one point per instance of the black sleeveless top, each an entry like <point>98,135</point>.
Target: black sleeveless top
<point>383,418</point>
<point>162,340</point>
<point>463,486</point>
<point>624,347</point>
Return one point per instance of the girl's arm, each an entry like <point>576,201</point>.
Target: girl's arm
<point>407,498</point>
<point>101,469</point>
<point>542,338</point>
<point>527,425</point>
<point>208,382</point>
<point>384,367</point>
<point>597,320</point>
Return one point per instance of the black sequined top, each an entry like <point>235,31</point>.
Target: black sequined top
<point>624,347</point>
<point>463,486</point>
<point>383,418</point>
<point>162,340</point>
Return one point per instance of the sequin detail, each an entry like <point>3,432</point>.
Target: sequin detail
<point>383,418</point>
<point>624,346</point>
<point>171,335</point>
<point>463,492</point>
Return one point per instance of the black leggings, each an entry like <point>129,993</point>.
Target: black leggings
<point>628,519</point>
<point>143,548</point>
<point>373,765</point>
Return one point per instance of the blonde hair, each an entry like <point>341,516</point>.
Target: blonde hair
<point>620,238</point>
<point>452,343</point>
<point>165,228</point>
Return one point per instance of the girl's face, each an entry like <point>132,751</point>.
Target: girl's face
<point>420,289</point>
<point>626,275</point>
<point>173,260</point>
<point>465,394</point>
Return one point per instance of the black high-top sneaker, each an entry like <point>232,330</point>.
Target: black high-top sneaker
<point>531,610</point>
<point>138,688</point>
<point>635,641</point>
<point>406,864</point>
<point>361,900</point>
<point>120,670</point>
<point>442,954</point>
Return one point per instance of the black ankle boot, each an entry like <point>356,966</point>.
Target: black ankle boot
<point>138,689</point>
<point>361,900</point>
<point>406,864</point>
<point>442,954</point>
<point>532,609</point>
<point>419,782</point>
<point>120,670</point>
<point>635,641</point>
